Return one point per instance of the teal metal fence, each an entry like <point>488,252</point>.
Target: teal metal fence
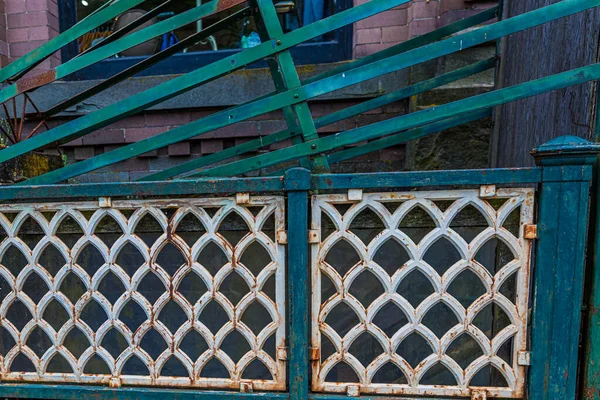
<point>541,312</point>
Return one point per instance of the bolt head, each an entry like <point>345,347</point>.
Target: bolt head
<point>313,146</point>
<point>278,42</point>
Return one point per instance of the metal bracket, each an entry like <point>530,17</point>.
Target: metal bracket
<point>282,353</point>
<point>530,232</point>
<point>114,383</point>
<point>246,387</point>
<point>487,191</point>
<point>355,194</point>
<point>524,358</point>
<point>105,202</point>
<point>314,354</point>
<point>242,198</point>
<point>353,390</point>
<point>314,236</point>
<point>478,395</point>
<point>282,237</point>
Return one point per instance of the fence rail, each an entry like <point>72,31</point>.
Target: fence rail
<point>481,321</point>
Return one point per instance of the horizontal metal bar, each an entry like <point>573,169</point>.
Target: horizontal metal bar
<point>315,89</point>
<point>65,392</point>
<point>411,44</point>
<point>406,136</point>
<point>149,61</point>
<point>255,144</point>
<point>131,105</point>
<point>170,188</point>
<point>323,396</point>
<point>129,27</point>
<point>30,60</point>
<point>427,178</point>
<point>130,41</point>
<point>398,124</point>
<point>403,47</point>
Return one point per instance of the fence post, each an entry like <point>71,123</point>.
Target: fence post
<point>297,183</point>
<point>567,165</point>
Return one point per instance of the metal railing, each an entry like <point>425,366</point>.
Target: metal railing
<point>429,297</point>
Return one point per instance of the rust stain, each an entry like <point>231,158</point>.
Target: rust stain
<point>28,83</point>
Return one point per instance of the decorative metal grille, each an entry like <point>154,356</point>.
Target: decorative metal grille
<point>186,292</point>
<point>421,293</point>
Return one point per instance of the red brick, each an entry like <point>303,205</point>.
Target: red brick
<point>27,20</point>
<point>386,18</point>
<point>111,136</point>
<point>395,34</point>
<point>364,50</point>
<point>53,8</point>
<point>38,5</point>
<point>421,26</point>
<point>4,50</point>
<point>371,35</point>
<point>133,135</point>
<point>22,48</point>
<point>136,121</point>
<point>149,154</point>
<point>17,35</point>
<point>15,6</point>
<point>179,149</point>
<point>241,129</point>
<point>197,114</point>
<point>39,33</point>
<point>167,119</point>
<point>422,10</point>
<point>211,146</point>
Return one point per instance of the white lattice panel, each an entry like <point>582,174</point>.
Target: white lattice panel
<point>393,312</point>
<point>149,291</point>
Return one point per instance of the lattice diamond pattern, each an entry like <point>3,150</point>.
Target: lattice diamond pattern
<point>422,302</point>
<point>110,305</point>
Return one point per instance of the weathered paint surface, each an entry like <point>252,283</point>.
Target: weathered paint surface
<point>128,214</point>
<point>514,374</point>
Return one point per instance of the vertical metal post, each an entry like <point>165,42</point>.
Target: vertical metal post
<point>297,183</point>
<point>286,78</point>
<point>567,164</point>
<point>591,360</point>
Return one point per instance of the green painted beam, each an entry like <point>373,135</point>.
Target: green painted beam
<point>423,179</point>
<point>127,42</point>
<point>406,136</point>
<point>136,103</point>
<point>149,61</point>
<point>340,115</point>
<point>141,189</point>
<point>411,44</point>
<point>315,89</point>
<point>291,80</point>
<point>401,137</point>
<point>433,114</point>
<point>33,58</point>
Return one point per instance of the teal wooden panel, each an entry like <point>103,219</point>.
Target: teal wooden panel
<point>297,181</point>
<point>559,266</point>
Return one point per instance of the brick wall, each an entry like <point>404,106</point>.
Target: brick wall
<point>3,40</point>
<point>409,20</point>
<point>30,23</point>
<point>148,124</point>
